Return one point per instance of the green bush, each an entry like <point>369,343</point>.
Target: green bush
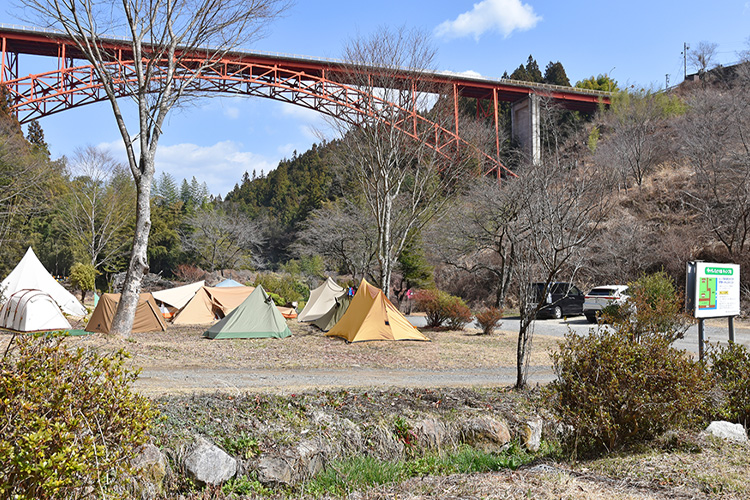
<point>442,307</point>
<point>655,308</point>
<point>83,278</point>
<point>286,288</point>
<point>730,367</point>
<point>70,422</point>
<point>488,319</point>
<point>615,392</point>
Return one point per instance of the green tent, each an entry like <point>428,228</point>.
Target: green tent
<point>334,314</point>
<point>256,317</point>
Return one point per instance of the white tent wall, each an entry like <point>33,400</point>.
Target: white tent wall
<point>31,311</point>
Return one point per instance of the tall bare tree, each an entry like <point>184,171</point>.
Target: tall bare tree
<point>403,180</point>
<point>479,235</point>
<point>172,43</point>
<point>345,234</point>
<point>560,212</point>
<point>222,240</point>
<point>98,206</point>
<point>562,202</point>
<point>703,57</point>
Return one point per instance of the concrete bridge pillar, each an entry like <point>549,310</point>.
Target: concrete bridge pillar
<point>525,126</point>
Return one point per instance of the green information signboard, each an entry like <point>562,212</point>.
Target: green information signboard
<point>717,290</point>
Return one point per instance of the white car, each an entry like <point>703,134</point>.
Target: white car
<point>600,297</point>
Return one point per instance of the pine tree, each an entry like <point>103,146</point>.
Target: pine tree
<point>35,135</point>
<point>554,74</point>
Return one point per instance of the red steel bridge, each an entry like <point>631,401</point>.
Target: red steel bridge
<point>322,85</point>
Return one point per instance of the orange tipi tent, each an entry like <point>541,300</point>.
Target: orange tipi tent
<point>371,316</point>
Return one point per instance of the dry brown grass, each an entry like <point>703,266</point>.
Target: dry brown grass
<point>308,348</point>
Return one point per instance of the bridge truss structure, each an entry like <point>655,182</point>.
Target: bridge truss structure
<point>325,86</point>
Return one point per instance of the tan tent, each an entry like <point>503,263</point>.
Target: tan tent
<point>287,312</point>
<point>371,316</point>
<point>211,303</point>
<point>173,299</point>
<point>322,300</point>
<point>147,315</point>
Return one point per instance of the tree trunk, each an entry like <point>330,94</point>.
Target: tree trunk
<point>522,352</point>
<point>122,323</point>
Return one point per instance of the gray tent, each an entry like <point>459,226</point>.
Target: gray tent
<point>334,314</point>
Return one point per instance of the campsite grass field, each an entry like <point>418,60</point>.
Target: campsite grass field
<point>186,362</point>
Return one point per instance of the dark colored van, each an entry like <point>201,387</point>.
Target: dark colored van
<point>560,299</point>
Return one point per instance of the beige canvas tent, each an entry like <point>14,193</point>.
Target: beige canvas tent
<point>32,311</point>
<point>173,299</point>
<point>147,315</point>
<point>321,301</point>
<point>371,316</point>
<point>211,303</point>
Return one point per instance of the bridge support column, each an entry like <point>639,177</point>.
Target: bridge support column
<point>525,126</point>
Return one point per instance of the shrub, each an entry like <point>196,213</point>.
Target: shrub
<point>730,367</point>
<point>70,421</point>
<point>488,319</point>
<point>286,288</point>
<point>615,392</point>
<point>442,307</point>
<point>655,308</point>
<point>83,278</point>
<point>187,272</point>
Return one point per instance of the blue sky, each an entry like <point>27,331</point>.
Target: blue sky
<point>218,139</point>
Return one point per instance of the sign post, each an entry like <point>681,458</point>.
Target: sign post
<point>712,291</point>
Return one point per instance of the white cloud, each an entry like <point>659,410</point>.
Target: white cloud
<point>220,165</point>
<point>503,16</point>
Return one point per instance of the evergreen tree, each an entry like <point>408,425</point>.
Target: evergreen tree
<point>528,73</point>
<point>554,74</point>
<point>185,193</point>
<point>165,190</point>
<point>35,136</point>
<point>533,71</point>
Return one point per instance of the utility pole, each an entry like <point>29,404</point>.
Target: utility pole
<point>666,87</point>
<point>685,48</point>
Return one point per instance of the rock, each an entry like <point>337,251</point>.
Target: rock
<point>150,468</point>
<point>485,432</point>
<point>430,432</point>
<point>531,434</point>
<point>727,430</point>
<point>209,464</point>
<point>310,459</point>
<point>274,472</point>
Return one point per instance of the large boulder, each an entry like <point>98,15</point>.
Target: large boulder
<point>209,464</point>
<point>727,430</point>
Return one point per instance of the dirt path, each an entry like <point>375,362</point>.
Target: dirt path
<point>159,381</point>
